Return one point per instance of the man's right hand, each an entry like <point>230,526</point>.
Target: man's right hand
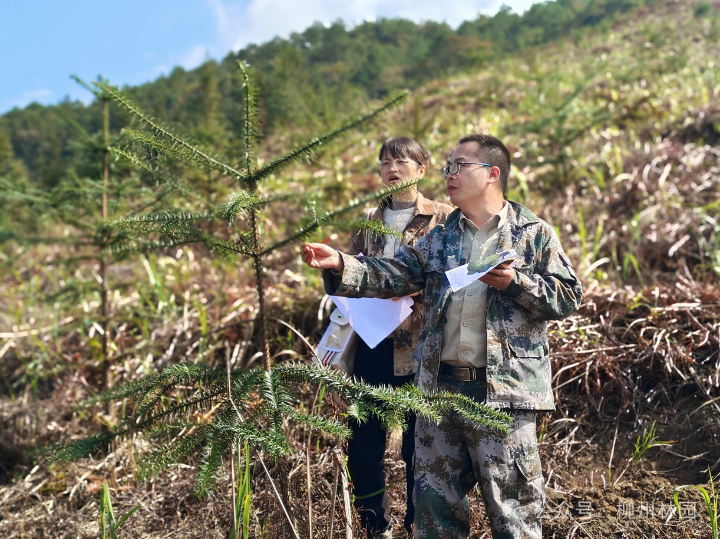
<point>321,256</point>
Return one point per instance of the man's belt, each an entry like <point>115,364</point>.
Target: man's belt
<point>464,374</point>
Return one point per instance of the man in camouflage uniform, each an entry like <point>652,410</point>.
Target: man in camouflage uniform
<point>488,341</point>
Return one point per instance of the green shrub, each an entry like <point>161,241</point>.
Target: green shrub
<point>702,9</point>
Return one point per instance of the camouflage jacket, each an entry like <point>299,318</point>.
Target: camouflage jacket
<point>426,216</point>
<point>544,288</point>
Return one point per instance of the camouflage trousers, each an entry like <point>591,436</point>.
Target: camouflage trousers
<point>453,457</point>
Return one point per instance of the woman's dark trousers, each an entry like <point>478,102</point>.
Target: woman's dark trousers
<point>366,447</point>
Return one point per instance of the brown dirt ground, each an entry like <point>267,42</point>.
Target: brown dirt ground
<point>602,387</point>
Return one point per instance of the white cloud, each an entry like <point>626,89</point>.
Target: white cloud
<point>41,96</point>
<point>196,56</point>
<point>261,20</point>
<point>190,60</point>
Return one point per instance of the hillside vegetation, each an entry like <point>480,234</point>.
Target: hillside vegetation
<point>613,120</point>
<point>311,80</point>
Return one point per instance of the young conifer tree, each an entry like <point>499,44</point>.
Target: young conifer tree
<point>82,206</point>
<point>104,235</point>
<point>245,406</point>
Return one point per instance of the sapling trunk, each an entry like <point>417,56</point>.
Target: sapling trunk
<point>259,285</point>
<point>103,261</point>
<point>249,139</point>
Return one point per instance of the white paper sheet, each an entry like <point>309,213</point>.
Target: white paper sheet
<point>459,278</point>
<point>374,319</point>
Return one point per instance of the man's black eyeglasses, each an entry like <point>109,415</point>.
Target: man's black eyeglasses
<point>454,168</point>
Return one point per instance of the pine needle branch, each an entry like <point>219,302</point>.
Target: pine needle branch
<point>221,441</point>
<point>86,86</point>
<point>174,229</point>
<point>175,226</point>
<point>179,229</point>
<point>472,411</point>
<point>135,246</point>
<point>245,382</point>
<point>250,129</point>
<point>329,217</point>
<point>170,377</point>
<point>244,245</point>
<point>78,128</point>
<point>327,426</point>
<point>179,406</point>
<point>310,147</point>
<point>169,454</point>
<point>162,176</point>
<point>171,427</point>
<point>390,405</point>
<point>267,403</point>
<point>241,204</point>
<point>176,145</point>
<point>377,229</point>
<point>246,201</point>
<point>271,441</point>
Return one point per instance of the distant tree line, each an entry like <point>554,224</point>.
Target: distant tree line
<point>308,80</point>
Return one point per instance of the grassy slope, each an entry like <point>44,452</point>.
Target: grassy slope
<point>649,92</point>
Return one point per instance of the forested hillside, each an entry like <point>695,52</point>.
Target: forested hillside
<point>310,80</point>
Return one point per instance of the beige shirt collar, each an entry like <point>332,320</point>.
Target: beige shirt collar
<point>500,218</point>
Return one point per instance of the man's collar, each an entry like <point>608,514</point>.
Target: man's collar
<point>517,215</point>
<point>502,216</point>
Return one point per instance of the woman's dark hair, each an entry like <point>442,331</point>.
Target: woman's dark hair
<point>405,147</point>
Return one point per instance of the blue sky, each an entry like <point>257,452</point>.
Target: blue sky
<point>43,42</point>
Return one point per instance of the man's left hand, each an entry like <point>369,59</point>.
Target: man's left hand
<point>499,277</point>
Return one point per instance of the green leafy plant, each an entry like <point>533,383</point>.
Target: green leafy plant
<point>702,9</point>
<point>558,119</point>
<point>83,205</point>
<point>630,260</point>
<point>242,493</point>
<point>108,524</point>
<point>646,441</point>
<point>180,228</point>
<point>710,499</point>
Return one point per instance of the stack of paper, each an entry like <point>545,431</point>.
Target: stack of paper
<point>466,274</point>
<point>374,319</point>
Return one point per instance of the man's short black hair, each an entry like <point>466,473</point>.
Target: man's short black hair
<point>493,152</point>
